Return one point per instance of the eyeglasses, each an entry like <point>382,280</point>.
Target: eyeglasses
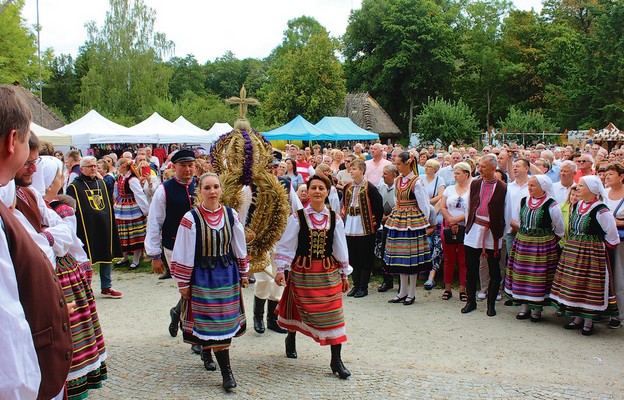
<point>89,166</point>
<point>582,161</point>
<point>29,164</point>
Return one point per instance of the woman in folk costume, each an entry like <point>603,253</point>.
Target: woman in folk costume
<point>534,254</point>
<point>210,265</point>
<point>314,249</point>
<point>88,367</point>
<point>131,208</point>
<point>582,286</point>
<point>407,248</point>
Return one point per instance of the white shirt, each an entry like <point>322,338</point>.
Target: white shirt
<point>515,193</point>
<point>57,229</point>
<point>334,200</point>
<point>434,186</point>
<point>19,368</point>
<point>456,205</point>
<point>607,223</point>
<point>474,237</point>
<point>139,195</point>
<point>353,223</point>
<point>287,246</point>
<point>556,217</point>
<point>448,174</point>
<point>560,192</point>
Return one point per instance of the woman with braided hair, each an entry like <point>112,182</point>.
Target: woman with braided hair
<point>407,248</point>
<point>131,209</point>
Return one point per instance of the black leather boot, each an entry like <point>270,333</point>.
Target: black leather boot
<point>259,314</point>
<point>336,362</point>
<point>209,364</point>
<point>272,318</point>
<point>223,358</point>
<point>491,305</point>
<point>175,321</point>
<point>291,349</point>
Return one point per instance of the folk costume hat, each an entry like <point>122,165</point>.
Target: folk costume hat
<point>47,169</point>
<point>546,184</point>
<point>183,155</point>
<point>594,185</point>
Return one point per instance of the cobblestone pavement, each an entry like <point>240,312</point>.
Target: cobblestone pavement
<point>432,359</point>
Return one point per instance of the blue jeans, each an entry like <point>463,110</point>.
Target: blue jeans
<point>105,275</point>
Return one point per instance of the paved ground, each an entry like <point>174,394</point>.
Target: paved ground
<point>428,350</point>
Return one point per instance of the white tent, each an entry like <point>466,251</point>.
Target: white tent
<point>93,128</point>
<point>209,138</point>
<point>168,132</point>
<point>218,129</point>
<point>56,138</point>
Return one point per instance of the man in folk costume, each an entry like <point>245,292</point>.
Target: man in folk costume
<point>34,337</point>
<point>485,227</point>
<point>96,222</point>
<point>362,211</point>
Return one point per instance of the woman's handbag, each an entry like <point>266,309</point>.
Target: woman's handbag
<point>454,238</point>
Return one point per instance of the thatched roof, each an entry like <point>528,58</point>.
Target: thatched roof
<point>365,112</point>
<point>42,115</point>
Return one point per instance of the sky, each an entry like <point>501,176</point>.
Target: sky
<point>204,28</point>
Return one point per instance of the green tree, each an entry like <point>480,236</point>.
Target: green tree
<point>306,79</point>
<point>126,76</point>
<point>522,45</point>
<point>205,110</point>
<point>62,90</point>
<point>187,74</point>
<point>18,48</point>
<point>447,121</point>
<point>483,71</point>
<point>402,51</point>
<point>525,122</point>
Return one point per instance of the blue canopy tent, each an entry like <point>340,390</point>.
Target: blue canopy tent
<point>342,128</point>
<point>297,129</point>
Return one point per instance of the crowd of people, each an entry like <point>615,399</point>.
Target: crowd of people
<point>538,225</point>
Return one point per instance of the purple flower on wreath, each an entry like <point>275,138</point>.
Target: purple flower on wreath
<point>246,177</point>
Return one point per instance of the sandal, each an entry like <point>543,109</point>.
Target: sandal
<point>447,295</point>
<point>463,296</point>
<point>523,315</point>
<point>429,284</point>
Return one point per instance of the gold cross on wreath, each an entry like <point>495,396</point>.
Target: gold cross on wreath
<point>243,101</point>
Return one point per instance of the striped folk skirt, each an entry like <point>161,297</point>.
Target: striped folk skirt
<point>312,304</point>
<point>407,252</point>
<point>531,269</point>
<point>88,368</point>
<point>581,286</point>
<point>214,314</point>
<point>131,224</point>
